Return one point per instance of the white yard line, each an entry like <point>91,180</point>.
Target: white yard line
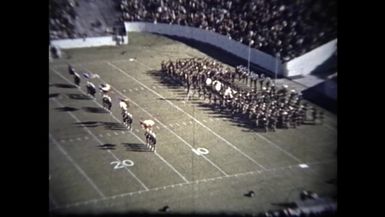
<point>158,155</point>
<point>81,171</point>
<point>96,138</point>
<point>148,113</point>
<point>255,172</point>
<point>190,116</point>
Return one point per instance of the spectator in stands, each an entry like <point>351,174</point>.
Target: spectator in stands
<point>288,27</point>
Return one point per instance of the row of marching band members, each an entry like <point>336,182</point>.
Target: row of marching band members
<point>268,106</point>
<point>105,92</point>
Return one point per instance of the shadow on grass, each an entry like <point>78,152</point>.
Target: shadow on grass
<point>62,85</point>
<point>94,109</point>
<point>107,146</point>
<point>88,124</point>
<point>137,147</point>
<point>66,109</point>
<point>53,95</point>
<point>78,96</point>
<point>114,126</point>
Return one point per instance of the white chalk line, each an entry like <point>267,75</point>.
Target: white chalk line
<point>175,106</point>
<point>193,118</point>
<point>81,171</point>
<point>237,175</point>
<point>95,137</point>
<point>148,113</point>
<point>157,154</point>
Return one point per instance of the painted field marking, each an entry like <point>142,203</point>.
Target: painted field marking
<point>122,164</point>
<point>200,151</point>
<point>181,110</point>
<point>158,155</point>
<point>93,135</point>
<point>80,170</point>
<point>184,141</point>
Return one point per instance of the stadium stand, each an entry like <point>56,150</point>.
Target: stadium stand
<point>286,28</point>
<point>70,19</point>
<point>62,16</point>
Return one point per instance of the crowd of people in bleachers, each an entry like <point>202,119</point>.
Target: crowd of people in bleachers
<point>258,99</point>
<point>286,28</point>
<point>61,22</point>
<point>298,213</point>
<point>321,210</point>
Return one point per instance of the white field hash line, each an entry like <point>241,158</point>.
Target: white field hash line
<point>81,171</point>
<point>175,106</point>
<point>331,127</point>
<point>158,155</point>
<point>237,175</point>
<point>101,143</point>
<point>184,141</point>
<point>193,118</point>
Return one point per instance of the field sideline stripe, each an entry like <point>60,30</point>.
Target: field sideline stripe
<point>236,175</point>
<point>96,138</point>
<point>331,120</point>
<point>178,108</point>
<point>184,141</point>
<point>158,155</point>
<point>61,149</point>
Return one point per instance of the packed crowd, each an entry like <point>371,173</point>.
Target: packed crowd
<point>258,99</point>
<point>289,212</point>
<point>318,208</point>
<point>61,21</point>
<point>286,28</point>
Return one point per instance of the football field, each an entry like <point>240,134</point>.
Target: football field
<point>205,161</point>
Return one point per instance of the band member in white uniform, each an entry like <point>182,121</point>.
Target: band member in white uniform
<point>107,101</point>
<point>147,125</point>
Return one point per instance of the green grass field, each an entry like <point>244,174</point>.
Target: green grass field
<point>89,146</point>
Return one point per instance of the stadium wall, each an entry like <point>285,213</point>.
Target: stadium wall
<point>305,64</point>
<point>87,42</point>
<point>257,57</point>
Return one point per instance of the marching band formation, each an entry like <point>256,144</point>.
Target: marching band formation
<point>127,117</point>
<point>268,106</point>
<point>244,93</point>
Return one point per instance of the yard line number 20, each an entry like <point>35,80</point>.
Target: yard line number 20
<point>122,164</point>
